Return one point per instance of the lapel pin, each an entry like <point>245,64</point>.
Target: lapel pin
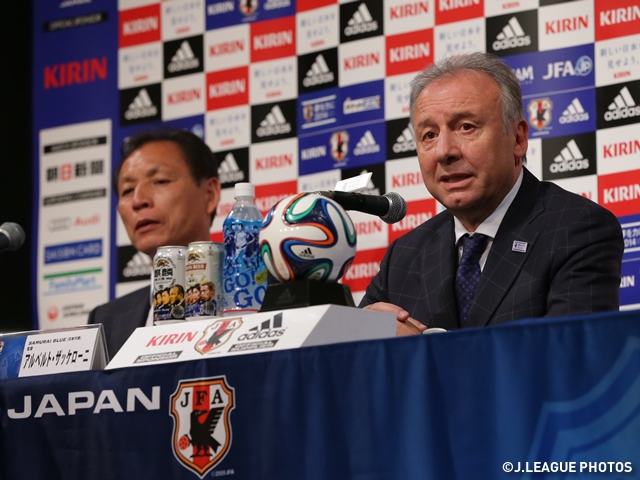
<point>519,246</point>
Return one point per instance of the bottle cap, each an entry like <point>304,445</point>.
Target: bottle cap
<point>245,190</point>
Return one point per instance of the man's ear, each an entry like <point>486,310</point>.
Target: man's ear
<point>521,139</point>
<point>213,194</point>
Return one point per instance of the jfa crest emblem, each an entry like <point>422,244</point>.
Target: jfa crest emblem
<point>339,145</point>
<point>307,112</point>
<point>217,334</point>
<point>201,411</point>
<point>248,7</point>
<point>540,112</point>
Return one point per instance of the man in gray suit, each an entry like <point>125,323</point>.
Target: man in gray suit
<point>168,190</point>
<point>507,246</point>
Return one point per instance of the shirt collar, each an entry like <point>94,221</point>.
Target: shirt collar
<point>491,224</point>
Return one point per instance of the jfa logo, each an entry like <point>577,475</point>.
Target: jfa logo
<point>217,334</point>
<point>582,68</point>
<point>540,112</point>
<point>248,7</point>
<point>201,411</point>
<point>339,145</point>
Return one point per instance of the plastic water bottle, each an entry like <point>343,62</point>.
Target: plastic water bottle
<point>245,274</point>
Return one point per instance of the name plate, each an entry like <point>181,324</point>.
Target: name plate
<point>75,349</point>
<point>254,333</point>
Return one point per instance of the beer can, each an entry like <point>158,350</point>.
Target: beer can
<point>204,295</point>
<point>168,284</point>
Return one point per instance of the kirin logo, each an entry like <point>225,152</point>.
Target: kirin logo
<point>217,334</point>
<point>201,411</point>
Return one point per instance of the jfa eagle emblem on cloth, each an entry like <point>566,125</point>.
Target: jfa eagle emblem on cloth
<point>217,334</point>
<point>339,145</point>
<point>201,416</point>
<point>540,112</point>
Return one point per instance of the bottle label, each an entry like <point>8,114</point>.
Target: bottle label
<point>245,274</point>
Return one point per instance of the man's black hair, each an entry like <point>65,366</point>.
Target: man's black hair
<point>201,161</point>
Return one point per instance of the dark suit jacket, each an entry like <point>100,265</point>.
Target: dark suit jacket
<point>571,265</point>
<point>120,317</point>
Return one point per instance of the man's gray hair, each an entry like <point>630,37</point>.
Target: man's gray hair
<point>487,63</point>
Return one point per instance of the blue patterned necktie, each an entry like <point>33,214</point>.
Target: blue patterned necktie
<point>468,274</point>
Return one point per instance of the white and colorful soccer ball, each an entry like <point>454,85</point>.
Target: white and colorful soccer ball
<point>307,236</point>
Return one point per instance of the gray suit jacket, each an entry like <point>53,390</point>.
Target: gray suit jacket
<point>120,317</point>
<point>571,264</point>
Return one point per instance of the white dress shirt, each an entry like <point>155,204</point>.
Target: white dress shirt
<point>491,224</point>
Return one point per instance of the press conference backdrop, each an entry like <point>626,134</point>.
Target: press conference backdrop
<point>295,95</point>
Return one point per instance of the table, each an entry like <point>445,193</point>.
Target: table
<point>454,405</point>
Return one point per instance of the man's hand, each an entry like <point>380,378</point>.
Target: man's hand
<point>405,324</point>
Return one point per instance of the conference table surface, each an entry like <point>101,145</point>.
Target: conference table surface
<point>515,401</point>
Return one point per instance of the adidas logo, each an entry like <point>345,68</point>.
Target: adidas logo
<point>319,73</point>
<point>274,124</point>
<point>141,107</point>
<point>286,298</point>
<point>184,59</point>
<point>139,266</point>
<point>623,106</point>
<point>266,329</point>
<point>306,253</point>
<point>367,144</point>
<point>570,159</point>
<point>406,141</point>
<point>512,36</point>
<point>275,322</point>
<point>360,22</point>
<point>229,172</point>
<point>574,113</point>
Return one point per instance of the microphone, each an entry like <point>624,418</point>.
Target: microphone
<point>390,207</point>
<point>11,236</point>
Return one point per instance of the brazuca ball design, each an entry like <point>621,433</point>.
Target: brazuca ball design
<point>307,236</point>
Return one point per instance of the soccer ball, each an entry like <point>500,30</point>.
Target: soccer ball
<point>307,236</point>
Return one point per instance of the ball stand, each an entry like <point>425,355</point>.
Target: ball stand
<point>305,293</point>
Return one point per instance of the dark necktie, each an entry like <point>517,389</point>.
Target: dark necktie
<point>468,274</point>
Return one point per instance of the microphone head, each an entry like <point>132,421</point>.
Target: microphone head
<point>14,233</point>
<point>397,208</point>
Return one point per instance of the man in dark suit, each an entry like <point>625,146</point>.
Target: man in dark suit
<point>507,246</point>
<point>168,190</point>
